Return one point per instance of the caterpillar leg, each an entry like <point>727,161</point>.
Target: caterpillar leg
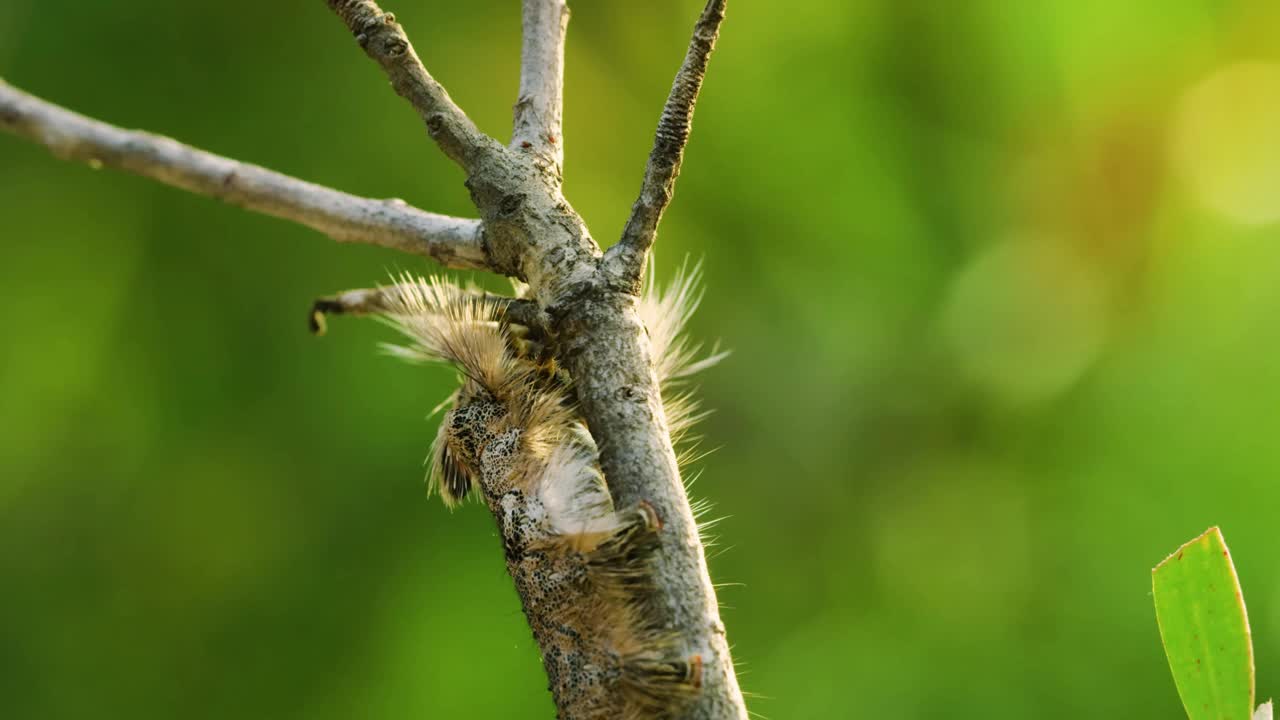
<point>620,534</point>
<point>655,674</point>
<point>636,530</point>
<point>657,687</point>
<point>621,564</point>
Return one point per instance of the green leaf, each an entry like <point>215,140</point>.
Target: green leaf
<point>1205,629</point>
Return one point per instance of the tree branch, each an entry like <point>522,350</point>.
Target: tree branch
<point>606,348</point>
<point>627,259</point>
<point>669,617</point>
<point>538,109</point>
<point>453,242</point>
<point>385,42</point>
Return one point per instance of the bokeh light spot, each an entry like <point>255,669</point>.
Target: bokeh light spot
<point>1226,143</point>
<point>1025,319</point>
<point>952,541</point>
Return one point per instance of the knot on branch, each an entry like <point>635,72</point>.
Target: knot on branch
<point>510,205</point>
<point>630,394</point>
<point>395,47</point>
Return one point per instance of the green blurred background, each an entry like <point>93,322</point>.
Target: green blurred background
<point>1000,278</point>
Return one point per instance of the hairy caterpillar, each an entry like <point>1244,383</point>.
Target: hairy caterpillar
<point>512,437</point>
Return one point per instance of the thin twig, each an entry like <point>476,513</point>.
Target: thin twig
<point>453,242</point>
<point>627,258</point>
<point>372,301</point>
<point>539,107</point>
<point>385,42</point>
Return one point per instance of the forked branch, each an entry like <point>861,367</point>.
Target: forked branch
<point>453,242</point>
<point>664,653</point>
<point>627,259</point>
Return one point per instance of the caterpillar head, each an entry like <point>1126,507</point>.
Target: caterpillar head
<point>476,420</point>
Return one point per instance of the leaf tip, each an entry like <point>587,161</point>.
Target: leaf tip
<point>1205,538</point>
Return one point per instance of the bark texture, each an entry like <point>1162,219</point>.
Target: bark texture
<point>538,109</point>
<point>528,230</point>
<point>452,242</point>
<point>385,42</point>
<point>629,256</point>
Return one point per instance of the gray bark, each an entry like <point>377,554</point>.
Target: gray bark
<point>527,230</point>
<point>538,108</point>
<point>628,258</point>
<point>385,42</point>
<point>452,242</point>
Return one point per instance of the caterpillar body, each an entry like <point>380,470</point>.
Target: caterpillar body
<point>512,436</point>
